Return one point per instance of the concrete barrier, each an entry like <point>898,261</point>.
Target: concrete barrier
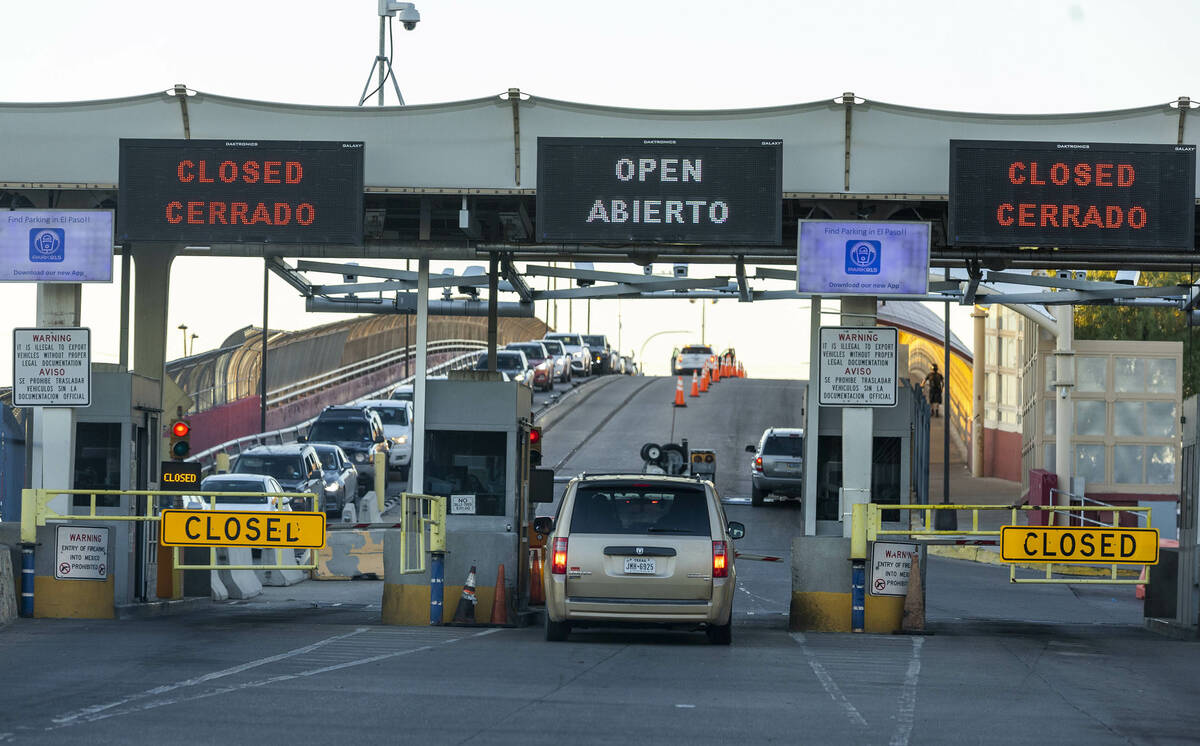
<point>219,591</point>
<point>821,590</point>
<point>368,509</point>
<point>8,597</point>
<point>239,584</point>
<point>278,577</point>
<point>351,554</point>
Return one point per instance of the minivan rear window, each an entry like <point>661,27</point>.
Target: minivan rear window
<point>640,509</point>
<point>784,445</point>
<point>697,350</point>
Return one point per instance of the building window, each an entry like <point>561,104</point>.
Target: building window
<point>1127,464</point>
<point>1090,374</point>
<point>1160,465</point>
<point>97,462</point>
<point>1090,417</point>
<point>1051,418</point>
<point>461,462</point>
<point>1160,418</point>
<point>1127,419</point>
<point>1160,375</point>
<point>1089,463</point>
<point>1128,376</point>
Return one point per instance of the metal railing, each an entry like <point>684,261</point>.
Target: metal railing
<point>36,512</point>
<point>1083,500</point>
<point>292,432</point>
<point>206,398</point>
<point>872,528</point>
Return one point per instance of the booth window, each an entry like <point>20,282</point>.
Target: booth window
<point>468,462</point>
<point>97,462</point>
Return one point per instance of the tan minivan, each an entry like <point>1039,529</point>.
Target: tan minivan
<point>639,549</point>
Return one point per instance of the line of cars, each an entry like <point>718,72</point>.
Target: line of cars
<point>557,358</point>
<point>335,459</point>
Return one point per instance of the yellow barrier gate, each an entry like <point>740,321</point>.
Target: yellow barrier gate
<point>35,512</point>
<point>1049,545</point>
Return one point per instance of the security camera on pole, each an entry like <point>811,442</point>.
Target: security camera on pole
<point>409,17</point>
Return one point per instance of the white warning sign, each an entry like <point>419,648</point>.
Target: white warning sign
<point>858,366</point>
<point>81,553</point>
<point>52,367</point>
<point>890,565</point>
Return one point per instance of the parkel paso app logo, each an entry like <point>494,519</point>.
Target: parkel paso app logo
<point>47,244</point>
<point>863,257</point>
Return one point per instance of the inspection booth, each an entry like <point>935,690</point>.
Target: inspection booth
<point>476,455</point>
<point>115,447</point>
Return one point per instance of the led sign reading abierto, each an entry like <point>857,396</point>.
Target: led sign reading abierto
<point>1072,194</point>
<point>205,191</point>
<point>616,190</point>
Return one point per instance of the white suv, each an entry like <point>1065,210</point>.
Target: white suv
<point>642,549</point>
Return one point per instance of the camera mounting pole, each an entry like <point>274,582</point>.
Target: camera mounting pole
<point>409,16</point>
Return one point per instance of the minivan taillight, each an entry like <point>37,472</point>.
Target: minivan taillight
<point>558,565</point>
<point>758,463</point>
<point>720,569</point>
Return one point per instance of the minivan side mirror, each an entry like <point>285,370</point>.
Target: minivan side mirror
<point>543,525</point>
<point>750,449</point>
<point>735,529</point>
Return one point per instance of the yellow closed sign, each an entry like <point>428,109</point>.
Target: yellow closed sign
<point>1133,546</point>
<point>235,528</point>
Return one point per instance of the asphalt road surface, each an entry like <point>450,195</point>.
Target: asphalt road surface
<point>312,664</point>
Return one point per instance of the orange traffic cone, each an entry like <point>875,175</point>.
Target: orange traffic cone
<point>717,373</point>
<point>704,381</point>
<point>500,602</point>
<point>695,384</point>
<point>537,595</point>
<point>466,603</point>
<point>679,400</point>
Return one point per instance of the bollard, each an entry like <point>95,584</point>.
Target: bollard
<point>858,595</point>
<point>380,479</point>
<point>27,580</point>
<point>437,586</point>
<point>221,463</point>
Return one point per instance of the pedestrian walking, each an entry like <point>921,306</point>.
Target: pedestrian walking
<point>933,389</point>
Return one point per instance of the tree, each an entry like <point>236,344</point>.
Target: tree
<point>1150,324</point>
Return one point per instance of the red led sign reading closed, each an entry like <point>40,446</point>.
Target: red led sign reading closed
<point>211,191</point>
<point>1072,195</point>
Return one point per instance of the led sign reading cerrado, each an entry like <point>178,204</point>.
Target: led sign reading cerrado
<point>1072,194</point>
<point>202,191</point>
<point>659,190</point>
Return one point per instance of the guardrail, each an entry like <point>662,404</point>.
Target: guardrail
<point>870,526</point>
<point>291,433</point>
<point>205,399</point>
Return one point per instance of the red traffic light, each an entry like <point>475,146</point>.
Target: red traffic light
<point>535,436</point>
<point>180,429</point>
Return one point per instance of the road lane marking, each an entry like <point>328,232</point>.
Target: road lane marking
<point>908,697</point>
<point>97,713</point>
<point>87,711</point>
<point>831,687</point>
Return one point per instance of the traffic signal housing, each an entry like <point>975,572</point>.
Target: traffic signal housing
<point>181,432</point>
<point>535,446</point>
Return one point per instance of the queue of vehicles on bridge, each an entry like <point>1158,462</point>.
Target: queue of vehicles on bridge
<point>335,459</point>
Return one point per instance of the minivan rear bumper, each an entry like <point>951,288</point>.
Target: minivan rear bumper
<point>714,610</point>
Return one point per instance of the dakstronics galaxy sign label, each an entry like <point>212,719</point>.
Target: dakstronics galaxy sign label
<point>56,246</point>
<point>862,258</point>
<point>659,190</point>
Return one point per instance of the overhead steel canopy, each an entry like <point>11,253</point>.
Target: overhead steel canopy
<point>456,180</point>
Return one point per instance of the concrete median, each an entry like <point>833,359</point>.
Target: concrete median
<point>239,584</point>
<point>290,575</point>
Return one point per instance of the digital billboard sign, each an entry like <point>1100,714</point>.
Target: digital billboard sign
<point>659,190</point>
<point>56,246</point>
<point>1094,195</point>
<point>862,257</point>
<point>252,191</point>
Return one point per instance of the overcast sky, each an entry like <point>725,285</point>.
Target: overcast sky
<point>1022,56</point>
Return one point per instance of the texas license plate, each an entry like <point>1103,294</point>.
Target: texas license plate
<point>791,466</point>
<point>639,566</point>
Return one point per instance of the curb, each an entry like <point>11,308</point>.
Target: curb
<point>987,556</point>
<point>154,609</point>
